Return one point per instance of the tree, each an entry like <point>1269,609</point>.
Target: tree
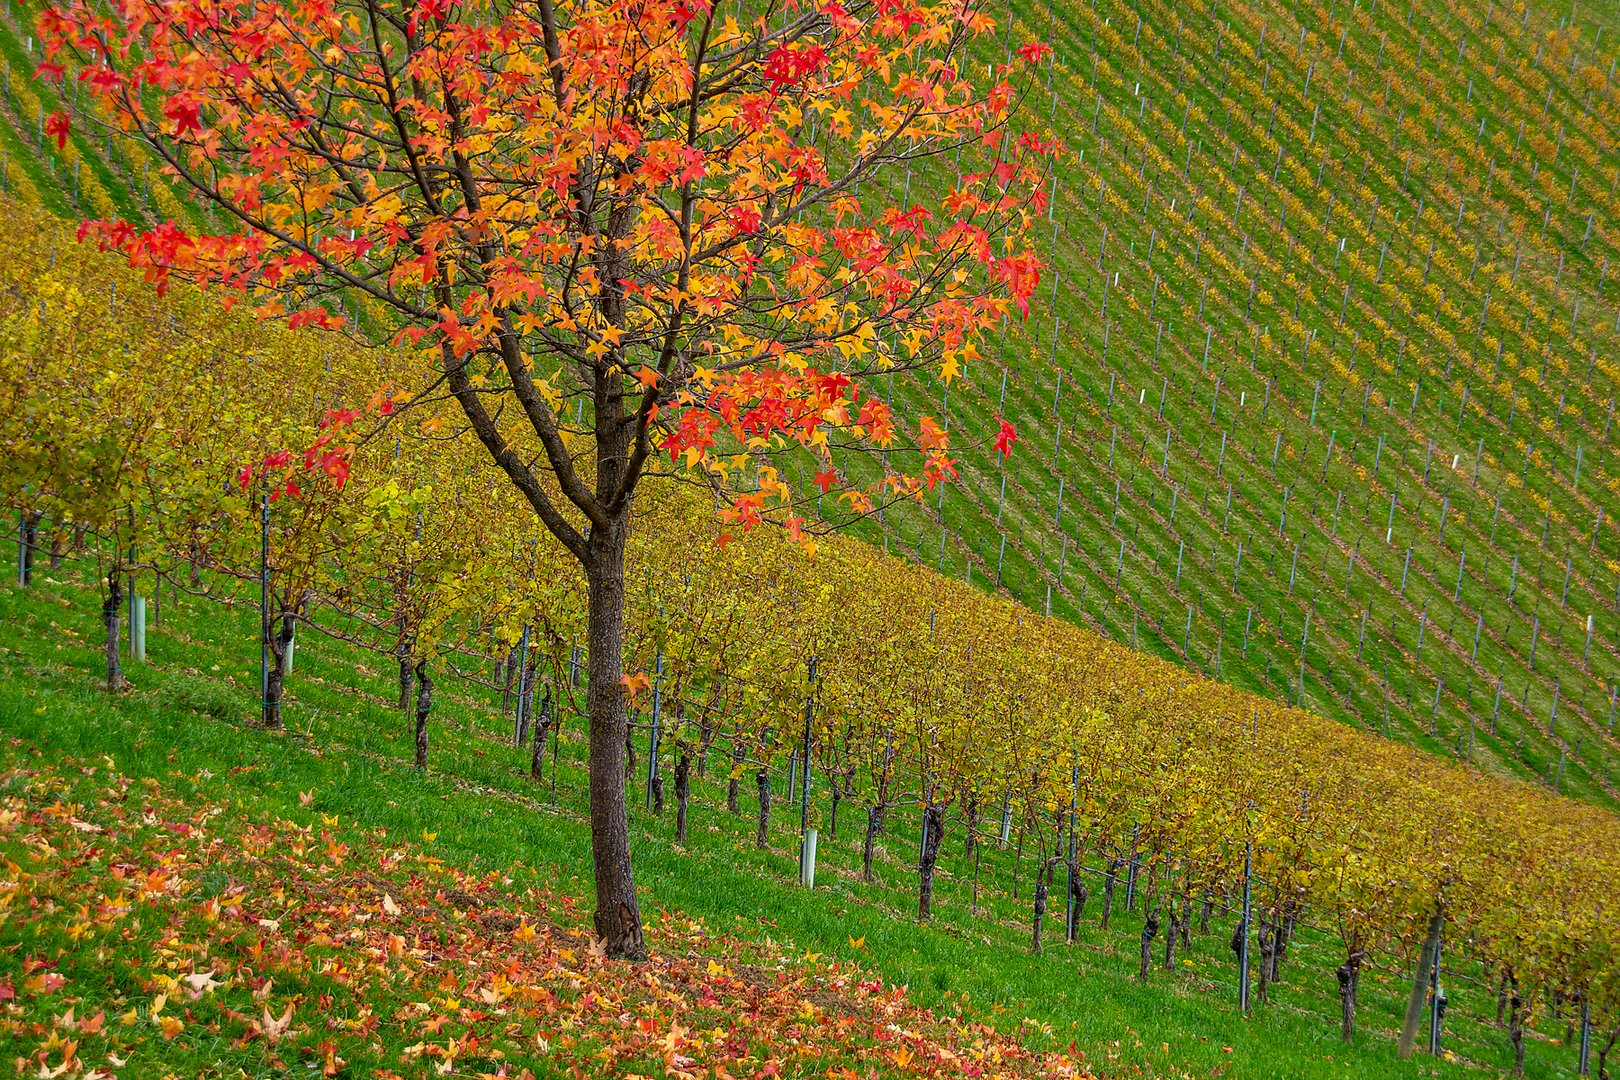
<point>623,228</point>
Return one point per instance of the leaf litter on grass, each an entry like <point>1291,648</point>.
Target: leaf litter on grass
<point>145,933</point>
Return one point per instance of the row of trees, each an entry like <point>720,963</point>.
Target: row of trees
<point>922,692</point>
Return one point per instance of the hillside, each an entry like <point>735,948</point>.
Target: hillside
<point>1325,339</point>
<point>1328,338</point>
<point>252,867</point>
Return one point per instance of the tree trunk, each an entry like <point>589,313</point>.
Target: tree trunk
<point>1042,874</point>
<point>738,756</point>
<point>762,780</point>
<point>618,916</point>
<point>406,678</point>
<point>1603,1053</point>
<point>1267,939</point>
<point>1170,938</point>
<point>30,538</point>
<point>537,751</point>
<point>1078,895</point>
<point>424,705</point>
<point>972,827</point>
<point>109,615</point>
<point>1516,1032</point>
<point>1420,987</point>
<point>277,679</point>
<point>1502,993</point>
<point>933,833</point>
<point>832,821</point>
<point>1150,930</point>
<point>1203,915</point>
<point>1349,976</point>
<point>1185,922</point>
<point>683,792</point>
<point>1110,876</point>
<point>874,824</point>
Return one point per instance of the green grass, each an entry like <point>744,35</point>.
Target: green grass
<point>185,723</point>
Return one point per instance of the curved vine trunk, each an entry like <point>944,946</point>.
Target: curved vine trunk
<point>1266,939</point>
<point>683,792</point>
<point>1204,913</point>
<point>874,824</point>
<point>1150,930</point>
<point>933,834</point>
<point>1603,1053</point>
<point>424,705</point>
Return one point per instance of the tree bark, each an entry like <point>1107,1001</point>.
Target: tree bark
<point>1150,930</point>
<point>1349,976</point>
<point>618,916</point>
<point>424,705</point>
<point>280,636</point>
<point>1203,915</point>
<point>1603,1053</point>
<point>537,751</point>
<point>738,756</point>
<point>762,780</point>
<point>1043,874</point>
<point>874,824</point>
<point>1516,1032</point>
<point>109,616</point>
<point>683,792</point>
<point>406,678</point>
<point>933,833</point>
<point>1078,895</point>
<point>1110,876</point>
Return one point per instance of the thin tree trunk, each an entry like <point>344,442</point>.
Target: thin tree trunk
<point>1516,1032</point>
<point>276,682</point>
<point>110,616</point>
<point>683,792</point>
<point>1203,915</point>
<point>618,916</point>
<point>762,780</point>
<point>406,678</point>
<point>874,824</point>
<point>1043,875</point>
<point>1603,1053</point>
<point>832,821</point>
<point>424,705</point>
<point>1349,976</point>
<point>1150,930</point>
<point>1170,938</point>
<point>537,751</point>
<point>1110,876</point>
<point>1078,895</point>
<point>933,834</point>
<point>738,756</point>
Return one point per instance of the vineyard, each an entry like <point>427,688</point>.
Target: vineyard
<point>1242,605</point>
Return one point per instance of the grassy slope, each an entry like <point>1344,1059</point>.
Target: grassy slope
<point>1376,112</point>
<point>183,725</point>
